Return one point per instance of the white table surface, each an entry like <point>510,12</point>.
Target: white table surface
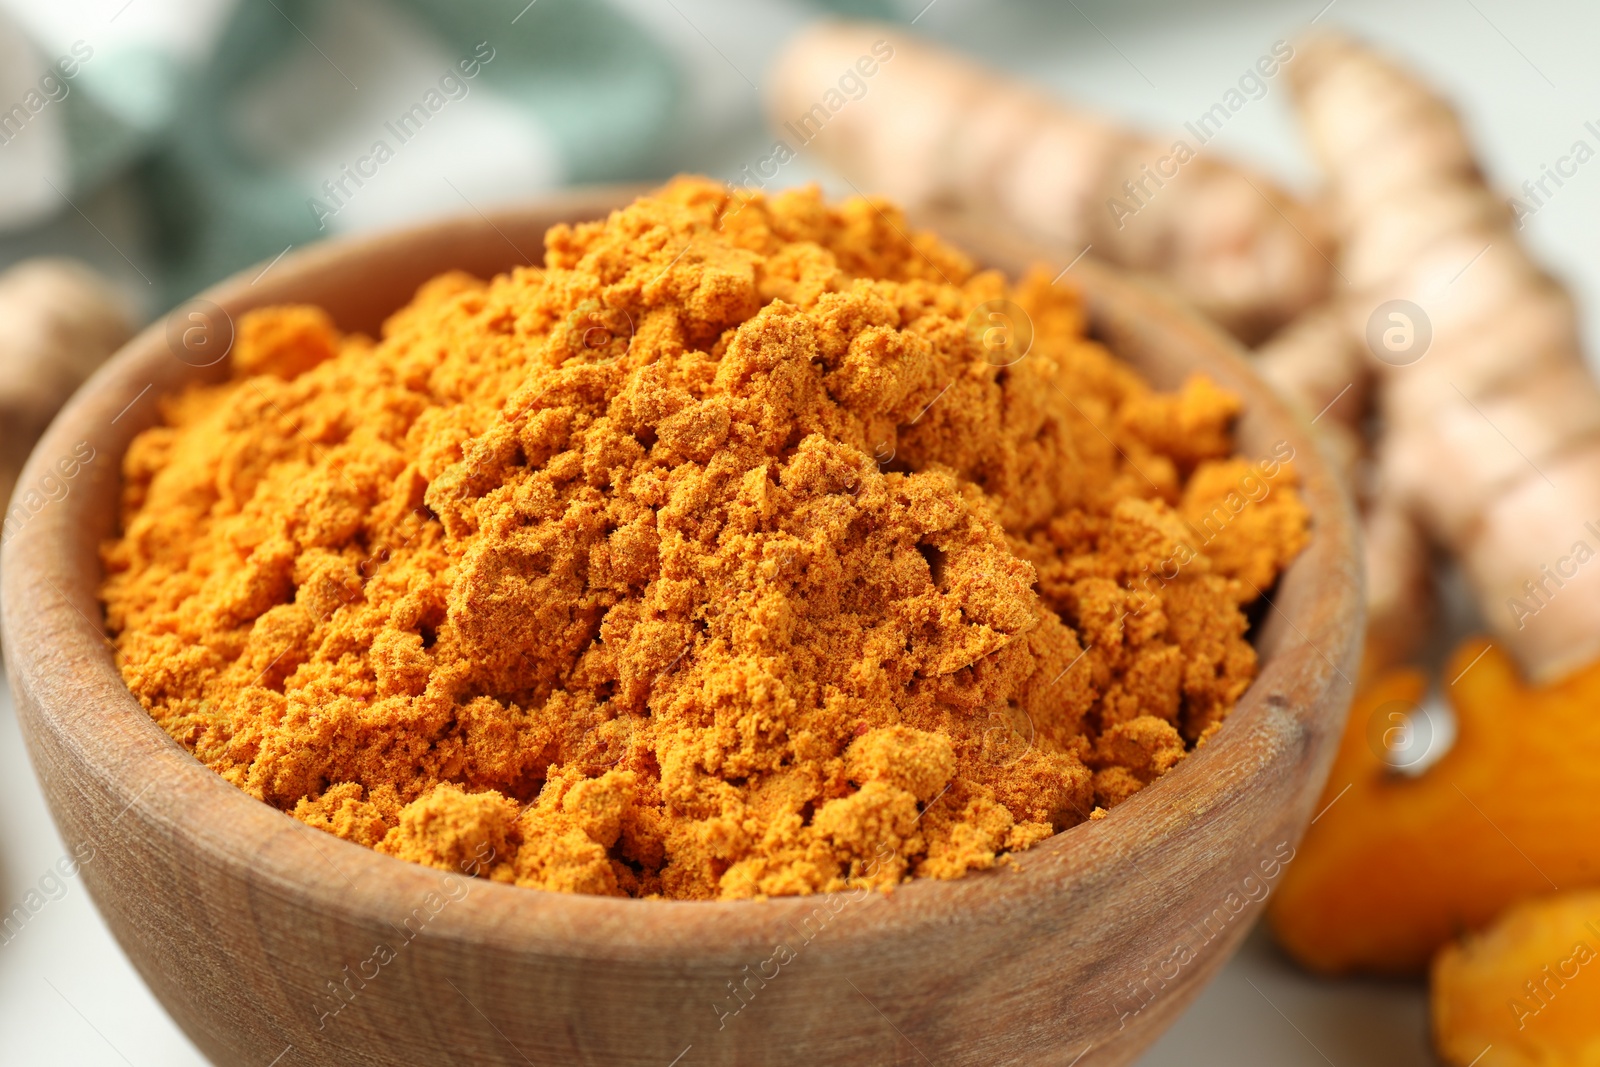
<point>1522,73</point>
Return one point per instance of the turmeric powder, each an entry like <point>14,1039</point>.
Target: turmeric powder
<point>716,558</point>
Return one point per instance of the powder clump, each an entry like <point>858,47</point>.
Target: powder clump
<point>717,558</point>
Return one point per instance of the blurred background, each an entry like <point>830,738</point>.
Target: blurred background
<point>197,138</point>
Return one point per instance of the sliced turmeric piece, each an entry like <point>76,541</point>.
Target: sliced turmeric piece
<point>1525,992</point>
<point>1397,865</point>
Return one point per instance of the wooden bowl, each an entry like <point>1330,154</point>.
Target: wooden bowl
<point>272,943</point>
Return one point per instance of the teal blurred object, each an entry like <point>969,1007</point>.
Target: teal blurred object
<point>589,78</point>
<point>178,154</point>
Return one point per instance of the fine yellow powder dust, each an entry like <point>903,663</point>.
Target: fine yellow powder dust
<point>716,558</point>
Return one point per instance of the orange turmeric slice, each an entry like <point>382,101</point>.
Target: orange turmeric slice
<point>1396,865</point>
<point>1526,992</point>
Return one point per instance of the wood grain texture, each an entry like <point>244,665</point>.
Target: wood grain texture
<point>252,928</point>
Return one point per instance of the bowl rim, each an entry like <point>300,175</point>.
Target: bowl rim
<point>60,663</point>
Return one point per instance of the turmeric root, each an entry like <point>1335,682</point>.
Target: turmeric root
<point>936,130</point>
<point>58,322</point>
<point>1525,992</point>
<point>1396,866</point>
<point>1489,451</point>
<point>1490,435</point>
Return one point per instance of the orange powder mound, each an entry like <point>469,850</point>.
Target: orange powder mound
<point>712,560</point>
